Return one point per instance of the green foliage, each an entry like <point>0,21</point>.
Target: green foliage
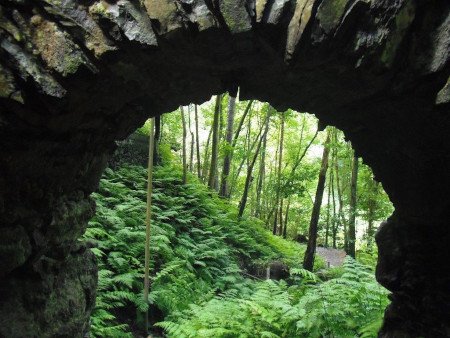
<point>198,249</point>
<point>367,256</point>
<point>348,306</point>
<point>264,312</point>
<point>201,256</point>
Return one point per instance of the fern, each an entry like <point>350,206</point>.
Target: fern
<point>197,251</point>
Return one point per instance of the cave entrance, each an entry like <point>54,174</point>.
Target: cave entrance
<point>76,76</point>
<point>297,186</point>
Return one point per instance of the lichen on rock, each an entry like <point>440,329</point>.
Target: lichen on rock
<point>329,14</point>
<point>200,15</point>
<point>300,19</point>
<point>443,96</point>
<point>166,14</point>
<point>56,47</point>
<point>403,20</point>
<point>134,22</point>
<point>77,14</point>
<point>260,6</point>
<point>7,85</point>
<point>235,15</point>
<point>9,26</point>
<point>29,66</point>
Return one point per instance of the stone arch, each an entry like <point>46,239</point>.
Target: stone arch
<point>77,75</point>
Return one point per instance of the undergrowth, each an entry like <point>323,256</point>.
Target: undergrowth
<point>199,256</point>
<point>349,306</point>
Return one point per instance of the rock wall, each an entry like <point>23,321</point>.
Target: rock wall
<point>77,75</point>
<point>133,150</point>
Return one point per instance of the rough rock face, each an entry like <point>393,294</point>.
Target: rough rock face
<point>77,75</point>
<point>133,150</point>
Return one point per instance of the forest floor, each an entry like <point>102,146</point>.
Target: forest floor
<point>200,253</point>
<point>333,257</point>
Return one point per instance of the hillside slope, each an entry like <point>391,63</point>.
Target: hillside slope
<point>198,248</point>
<point>208,269</point>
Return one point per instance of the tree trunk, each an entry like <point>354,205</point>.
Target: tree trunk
<point>280,215</point>
<point>224,186</point>
<point>299,160</point>
<point>286,217</point>
<point>148,218</point>
<point>221,121</point>
<point>249,148</point>
<point>157,141</point>
<point>371,214</point>
<point>191,153</point>
<point>261,176</point>
<point>183,121</point>
<point>327,229</point>
<point>191,160</point>
<point>197,139</point>
<point>370,232</point>
<point>280,160</point>
<point>274,209</point>
<point>206,157</point>
<point>308,261</point>
<point>335,221</point>
<point>341,216</point>
<point>215,144</point>
<point>269,207</point>
<point>241,123</point>
<point>248,178</point>
<point>352,223</point>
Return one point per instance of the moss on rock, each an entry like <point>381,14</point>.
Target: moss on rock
<point>235,15</point>
<point>6,83</point>
<point>330,13</point>
<point>403,20</point>
<point>56,48</point>
<point>165,11</point>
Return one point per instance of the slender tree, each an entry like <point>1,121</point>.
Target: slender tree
<point>371,207</point>
<point>333,195</point>
<point>184,159</point>
<point>335,219</point>
<point>197,139</point>
<point>269,199</point>
<point>206,157</point>
<point>192,143</point>
<point>327,229</point>
<point>215,144</point>
<point>157,141</point>
<point>280,189</point>
<point>290,178</point>
<point>341,216</point>
<point>286,217</point>
<point>148,218</point>
<point>249,146</point>
<point>352,222</point>
<point>280,160</point>
<point>280,214</point>
<point>261,175</point>
<point>241,123</point>
<point>299,160</point>
<point>273,202</point>
<point>224,186</point>
<point>308,261</point>
<point>248,178</point>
